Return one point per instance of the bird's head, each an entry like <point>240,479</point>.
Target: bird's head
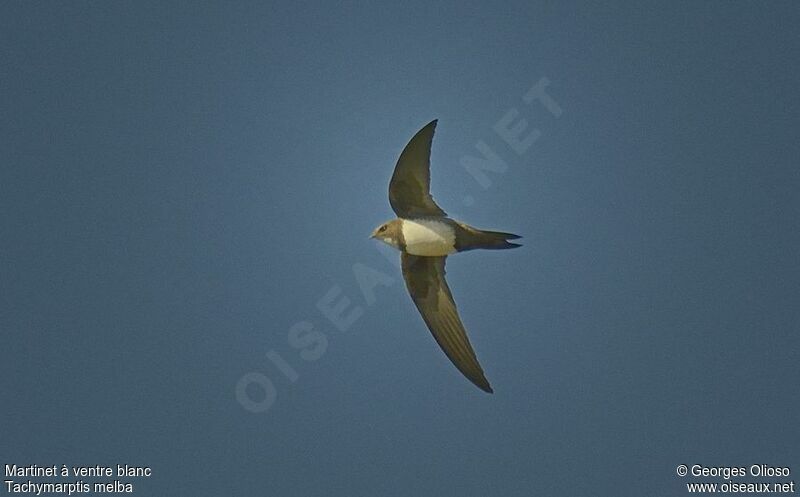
<point>388,233</point>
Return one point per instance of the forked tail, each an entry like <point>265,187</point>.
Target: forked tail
<point>472,238</point>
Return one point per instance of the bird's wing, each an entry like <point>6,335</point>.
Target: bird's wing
<point>425,281</point>
<point>409,189</point>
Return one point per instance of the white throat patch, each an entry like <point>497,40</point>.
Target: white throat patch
<point>428,237</point>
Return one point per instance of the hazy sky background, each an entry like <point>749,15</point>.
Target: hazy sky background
<point>181,184</point>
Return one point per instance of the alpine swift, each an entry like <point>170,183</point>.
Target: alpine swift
<point>425,236</point>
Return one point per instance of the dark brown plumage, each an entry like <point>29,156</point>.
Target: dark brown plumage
<point>425,236</point>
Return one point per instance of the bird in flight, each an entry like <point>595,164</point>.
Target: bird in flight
<point>425,236</point>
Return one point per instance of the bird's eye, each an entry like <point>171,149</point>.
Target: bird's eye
<point>382,229</point>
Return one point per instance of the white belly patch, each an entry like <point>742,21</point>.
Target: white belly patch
<point>428,237</point>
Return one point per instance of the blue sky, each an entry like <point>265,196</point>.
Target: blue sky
<point>182,186</point>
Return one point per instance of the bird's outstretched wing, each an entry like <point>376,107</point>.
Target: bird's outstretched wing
<point>409,189</point>
<point>425,282</point>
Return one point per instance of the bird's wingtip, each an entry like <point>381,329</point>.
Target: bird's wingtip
<point>484,385</point>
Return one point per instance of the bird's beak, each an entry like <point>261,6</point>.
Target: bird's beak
<point>372,235</point>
